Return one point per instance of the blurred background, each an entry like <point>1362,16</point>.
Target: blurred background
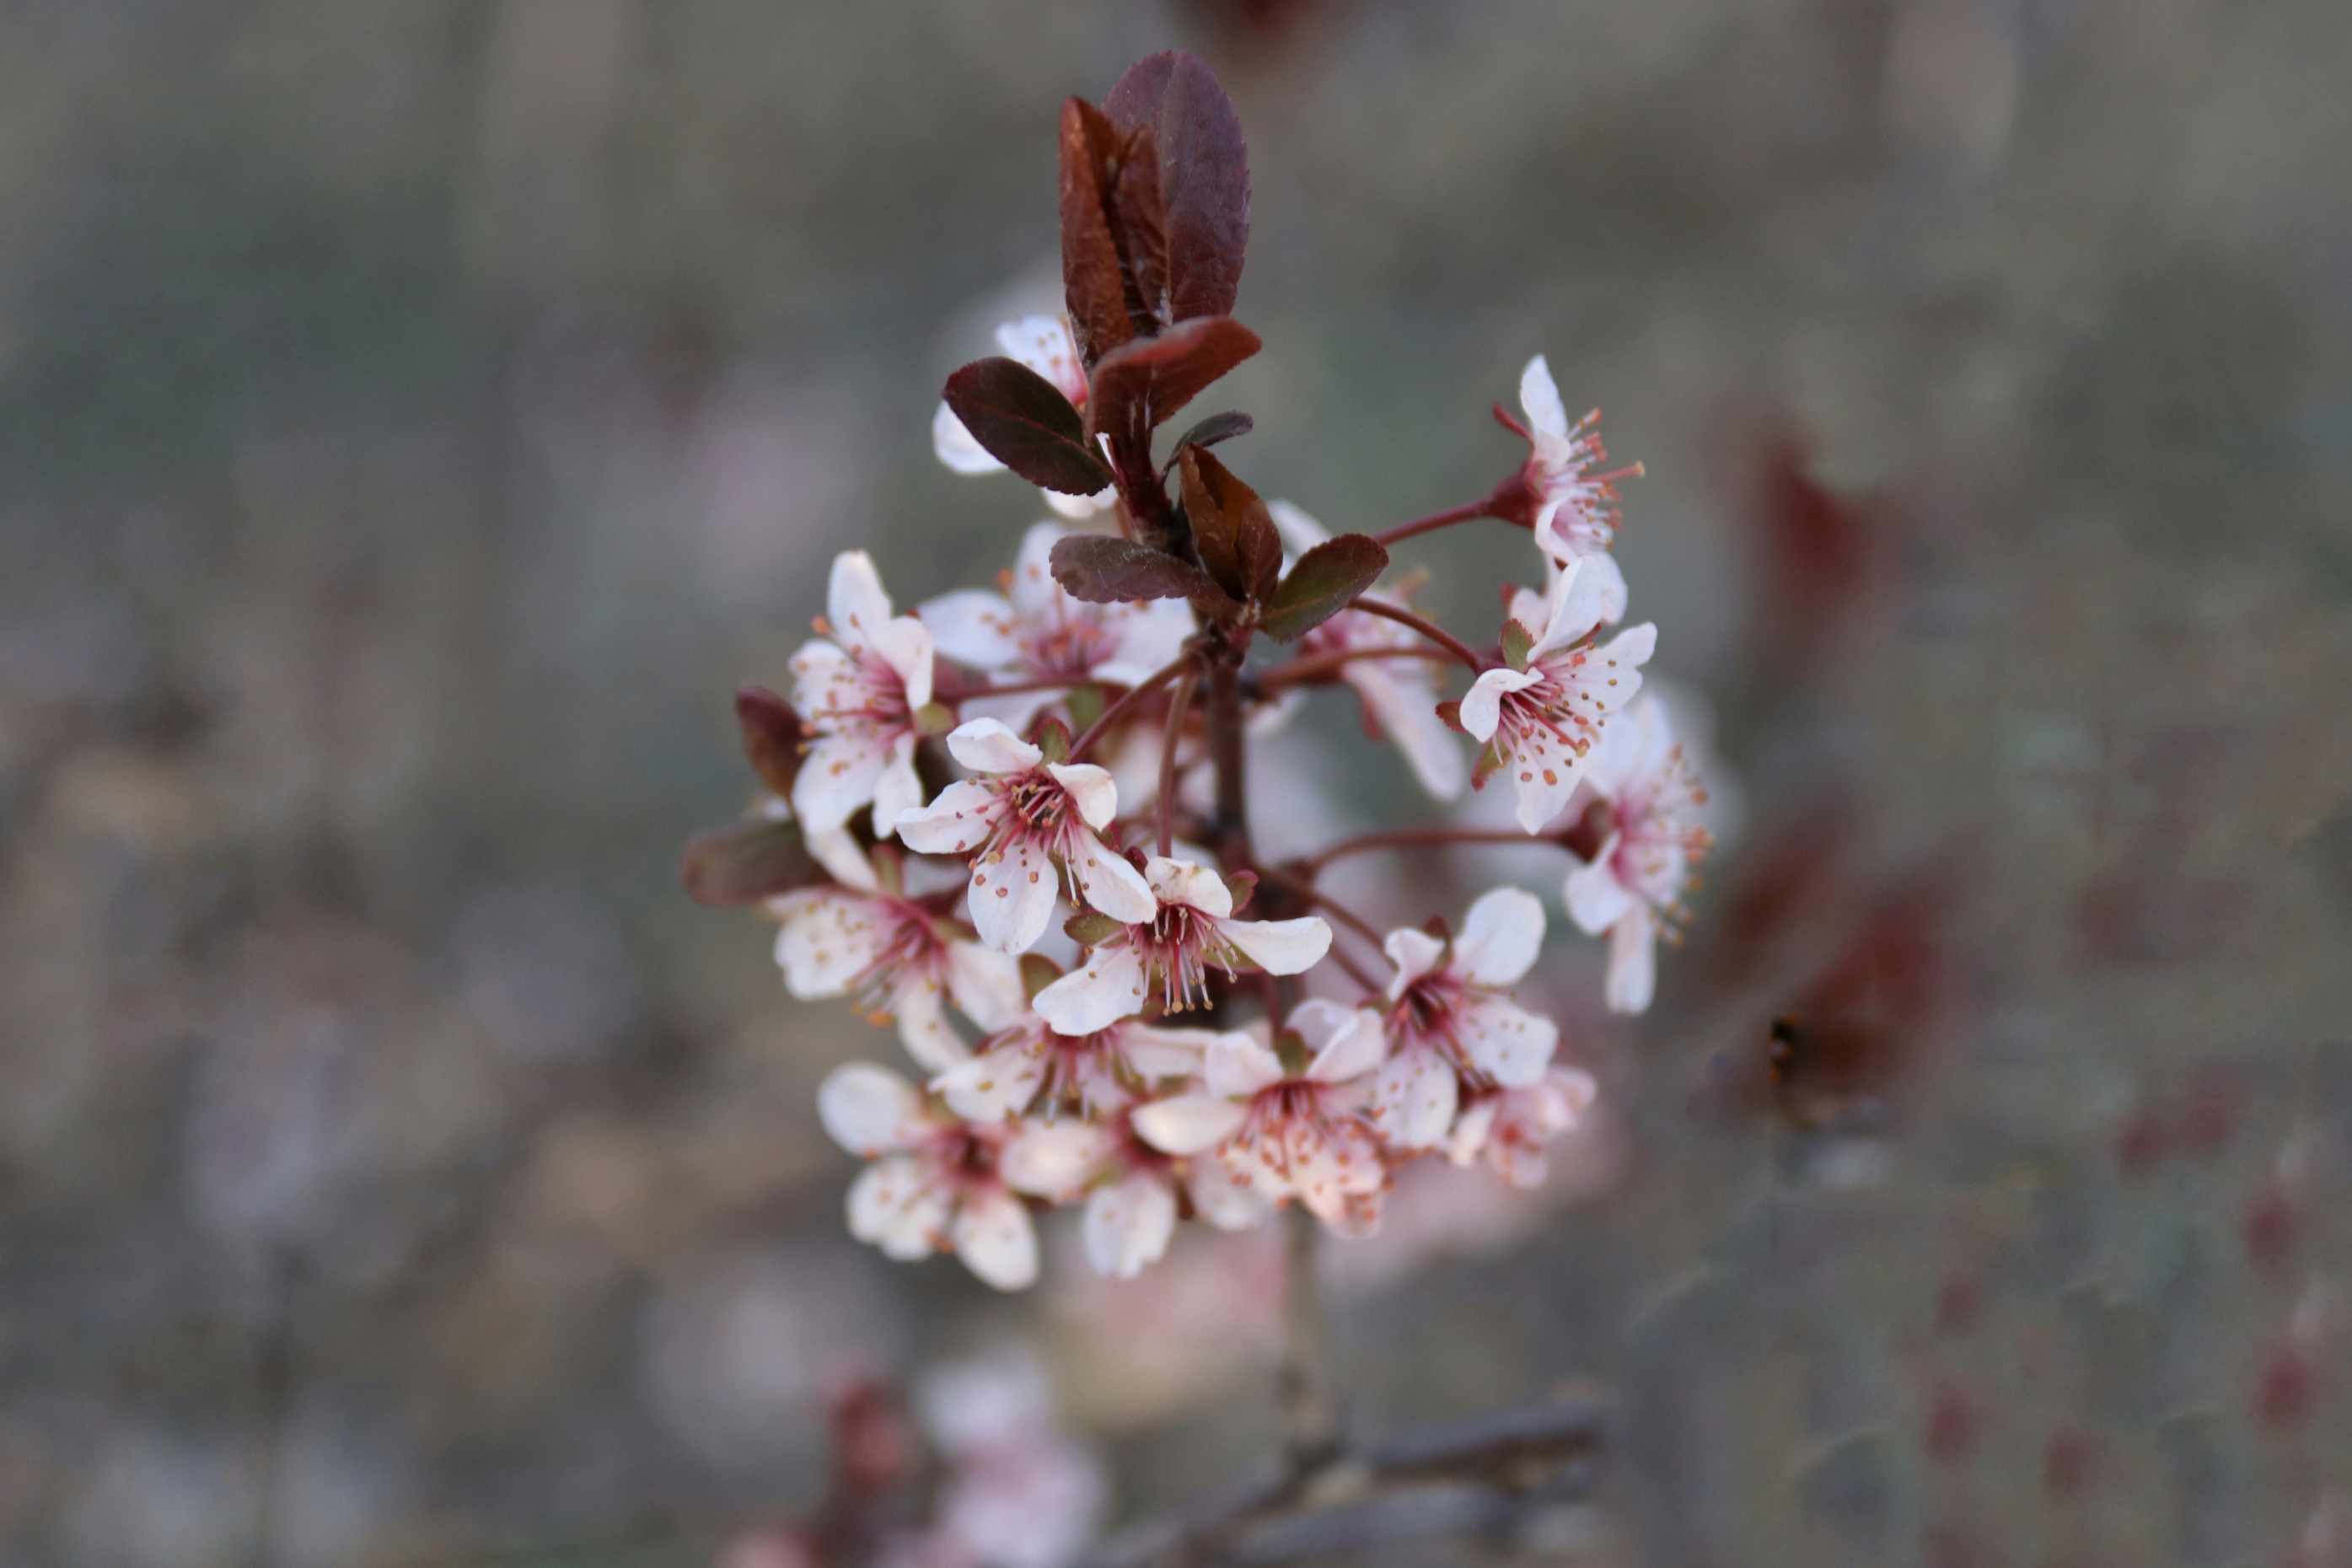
<point>417,416</point>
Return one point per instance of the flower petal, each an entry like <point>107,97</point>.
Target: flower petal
<point>996,1083</point>
<point>854,600</point>
<point>1596,899</point>
<point>1352,1051</point>
<point>1507,1042</point>
<point>1090,789</point>
<point>1223,1196</point>
<point>1149,637</point>
<point>1110,882</point>
<point>838,853</point>
<point>1500,937</point>
<point>905,645</point>
<point>1076,507</point>
<point>987,746</point>
<point>1188,1124</point>
<point>1414,953</point>
<point>1108,988</point>
<point>1632,961</point>
<point>1126,1227</point>
<point>993,1236</point>
<point>1471,1130</point>
<point>972,626</point>
<point>1416,1092</point>
<point>1280,947</point>
<point>986,985</point>
<point>923,1026</point>
<point>1482,705</point>
<point>1539,396</point>
<point>1013,893</point>
<point>1181,882</point>
<point>1153,1052</point>
<point>838,776</point>
<point>1545,771</point>
<point>1300,532</point>
<point>1043,343</point>
<point>898,1206</point>
<point>1055,1160</point>
<point>1035,592</point>
<point>1237,1065</point>
<point>869,1110</point>
<point>829,939</point>
<point>897,789</point>
<point>956,446</point>
<point>956,823</point>
<point>1400,698</point>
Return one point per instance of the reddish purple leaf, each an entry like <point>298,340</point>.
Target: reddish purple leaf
<point>1323,583</point>
<point>772,736</point>
<point>1140,385</point>
<point>1027,425</point>
<point>1092,282</point>
<point>1216,427</point>
<point>1204,176</point>
<point>1103,570</point>
<point>1231,528</point>
<point>744,862</point>
<point>1139,223</point>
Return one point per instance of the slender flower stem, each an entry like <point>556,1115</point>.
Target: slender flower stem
<point>1430,629</point>
<point>1310,1405</point>
<point>1327,665</point>
<point>1228,754</point>
<point>1179,709</point>
<point>1437,519</point>
<point>1135,694</point>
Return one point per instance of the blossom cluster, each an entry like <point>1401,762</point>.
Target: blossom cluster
<point>1011,822</point>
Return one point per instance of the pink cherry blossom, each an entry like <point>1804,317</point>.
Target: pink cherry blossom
<point>1044,344</point>
<point>1028,1065</point>
<point>859,693</point>
<point>1633,890</point>
<point>1031,827</point>
<point>1540,722</point>
<point>1304,1133</point>
<point>893,957</point>
<point>934,1183</point>
<point>1033,630</point>
<point>1132,1189</point>
<point>1451,1031</point>
<point>1019,1492</point>
<point>1400,695</point>
<point>1509,1126</point>
<point>1576,508</point>
<point>1168,956</point>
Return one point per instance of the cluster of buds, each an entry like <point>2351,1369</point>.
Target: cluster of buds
<point>1025,808</point>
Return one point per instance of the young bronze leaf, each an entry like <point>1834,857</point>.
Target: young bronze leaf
<point>772,736</point>
<point>1139,385</point>
<point>1027,425</point>
<point>1204,176</point>
<point>1091,280</point>
<point>1326,578</point>
<point>1216,427</point>
<point>1139,223</point>
<point>1261,551</point>
<point>1224,510</point>
<point>744,862</point>
<point>1103,570</point>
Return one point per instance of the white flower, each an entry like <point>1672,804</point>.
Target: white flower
<point>1191,930</point>
<point>1540,722</point>
<point>1044,344</point>
<point>859,693</point>
<point>1511,1126</point>
<point>1400,695</point>
<point>1027,1064</point>
<point>1034,630</point>
<point>1451,1032</point>
<point>1634,884</point>
<point>1130,1187</point>
<point>1018,1492</point>
<point>1576,512</point>
<point>1019,822</point>
<point>933,1184</point>
<point>891,955</point>
<point>1302,1134</point>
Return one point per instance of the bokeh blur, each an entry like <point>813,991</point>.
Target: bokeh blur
<point>417,416</point>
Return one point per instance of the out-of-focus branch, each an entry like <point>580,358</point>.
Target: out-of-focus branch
<point>1310,1394</point>
<point>1473,1473</point>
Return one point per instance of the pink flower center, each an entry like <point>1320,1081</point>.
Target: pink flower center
<point>879,706</point>
<point>1062,641</point>
<point>1428,1016</point>
<point>913,953</point>
<point>1180,945</point>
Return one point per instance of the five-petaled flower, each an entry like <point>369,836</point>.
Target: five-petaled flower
<point>1032,827</point>
<point>1540,722</point>
<point>858,939</point>
<point>1509,1126</point>
<point>934,1183</point>
<point>1576,508</point>
<point>1634,887</point>
<point>1035,631</point>
<point>1044,344</point>
<point>859,693</point>
<point>1167,958</point>
<point>1290,1131</point>
<point>1451,1034</point>
<point>1029,1065</point>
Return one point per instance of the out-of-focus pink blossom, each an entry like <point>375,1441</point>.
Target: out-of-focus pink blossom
<point>1634,887</point>
<point>859,689</point>
<point>1510,1127</point>
<point>1450,1030</point>
<point>934,1184</point>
